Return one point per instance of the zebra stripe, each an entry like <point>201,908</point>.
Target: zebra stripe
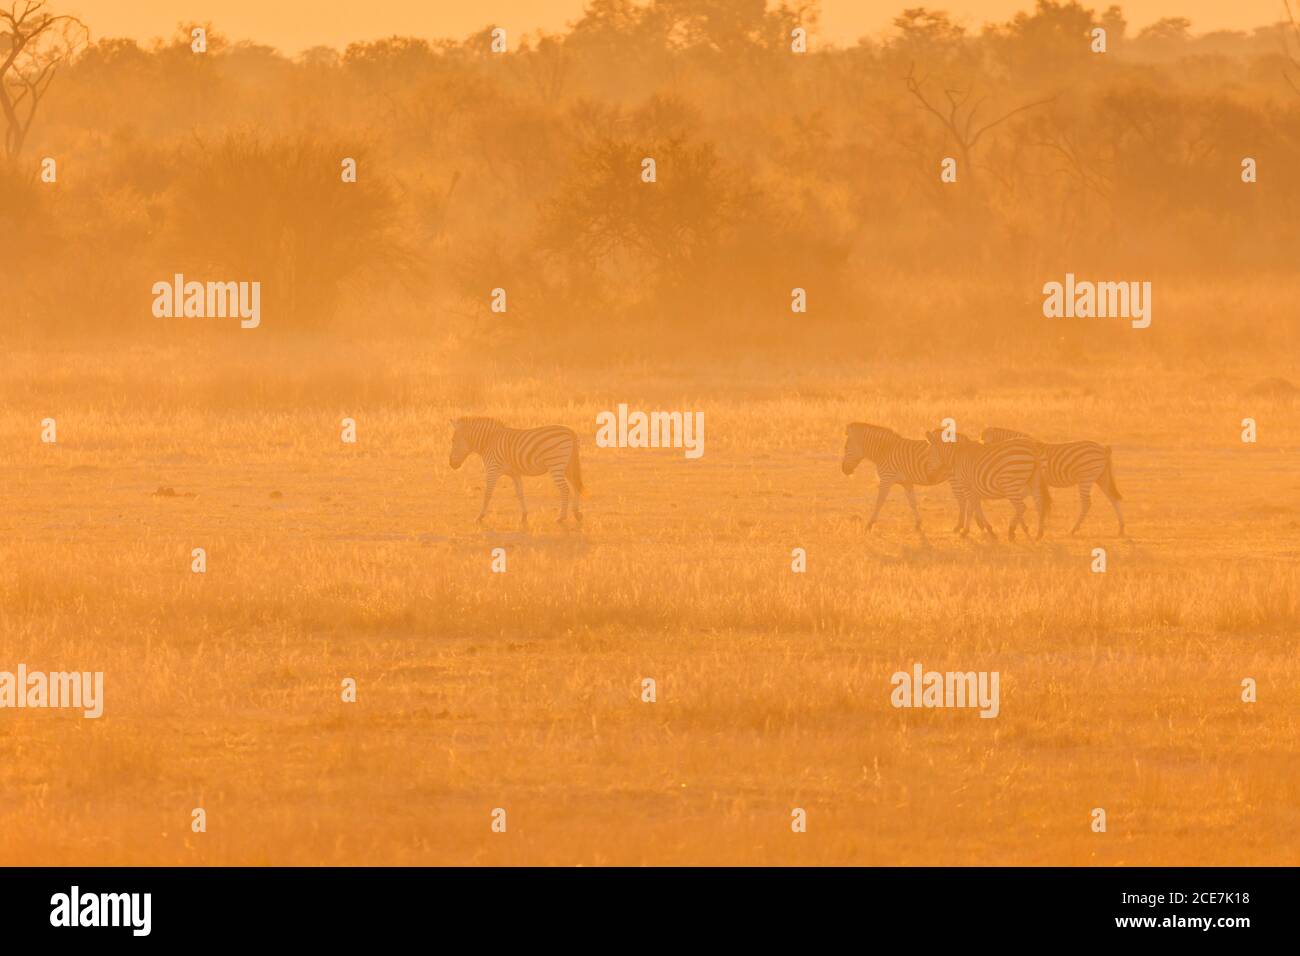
<point>1011,469</point>
<point>898,461</point>
<point>1081,463</point>
<point>517,452</point>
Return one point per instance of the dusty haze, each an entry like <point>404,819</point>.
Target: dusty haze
<point>329,560</point>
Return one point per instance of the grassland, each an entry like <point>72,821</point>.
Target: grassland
<point>478,690</point>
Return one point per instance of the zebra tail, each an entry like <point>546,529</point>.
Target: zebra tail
<point>574,471</point>
<point>1108,477</point>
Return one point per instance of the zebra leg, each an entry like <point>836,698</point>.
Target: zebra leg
<point>1085,502</point>
<point>557,475</point>
<point>911,499</point>
<point>1114,503</point>
<point>970,507</point>
<point>975,510</point>
<point>881,495</point>
<point>1017,518</point>
<point>519,491</point>
<point>489,483</point>
<point>1022,523</point>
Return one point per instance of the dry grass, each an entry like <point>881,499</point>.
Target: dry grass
<point>521,690</point>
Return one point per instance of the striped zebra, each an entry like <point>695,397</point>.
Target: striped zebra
<point>1081,463</point>
<point>898,461</point>
<point>517,452</point>
<point>1013,469</point>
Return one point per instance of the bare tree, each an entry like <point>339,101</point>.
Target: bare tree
<point>33,45</point>
<point>1078,148</point>
<point>960,117</point>
<point>1293,58</point>
<point>547,66</point>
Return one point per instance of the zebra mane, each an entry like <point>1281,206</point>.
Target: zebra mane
<point>991,435</point>
<point>873,429</point>
<point>476,420</point>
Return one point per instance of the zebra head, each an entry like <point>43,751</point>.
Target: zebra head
<point>460,442</point>
<point>855,446</point>
<point>470,435</point>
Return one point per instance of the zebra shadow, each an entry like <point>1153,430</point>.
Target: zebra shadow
<point>560,540</point>
<point>958,551</point>
<point>429,538</point>
<point>916,549</point>
<point>922,548</point>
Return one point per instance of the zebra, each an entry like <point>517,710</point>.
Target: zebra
<point>1011,469</point>
<point>1081,463</point>
<point>517,452</point>
<point>898,461</point>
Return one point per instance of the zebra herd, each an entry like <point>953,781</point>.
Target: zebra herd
<point>1003,464</point>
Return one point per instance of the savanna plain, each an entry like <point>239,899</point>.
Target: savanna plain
<point>523,690</point>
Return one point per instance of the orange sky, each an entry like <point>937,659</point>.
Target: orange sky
<point>293,25</point>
